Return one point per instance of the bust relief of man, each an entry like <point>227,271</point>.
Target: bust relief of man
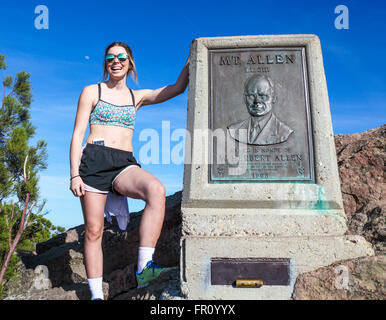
<point>262,127</point>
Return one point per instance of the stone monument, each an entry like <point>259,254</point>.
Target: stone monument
<point>261,194</point>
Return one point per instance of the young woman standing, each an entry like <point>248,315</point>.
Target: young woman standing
<point>108,165</point>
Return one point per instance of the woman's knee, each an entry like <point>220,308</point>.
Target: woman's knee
<point>156,192</point>
<point>94,232</point>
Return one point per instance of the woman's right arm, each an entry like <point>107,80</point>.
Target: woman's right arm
<point>85,104</point>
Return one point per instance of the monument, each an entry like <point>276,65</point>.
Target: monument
<point>261,197</point>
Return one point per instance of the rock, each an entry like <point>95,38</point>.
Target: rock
<point>361,160</point>
<point>372,226</point>
<point>62,258</point>
<point>355,279</point>
<point>70,236</point>
<point>41,279</point>
<point>361,163</point>
<point>374,230</point>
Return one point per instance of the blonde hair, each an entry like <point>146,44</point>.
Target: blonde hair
<point>132,72</point>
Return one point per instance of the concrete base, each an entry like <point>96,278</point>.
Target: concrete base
<point>214,222</point>
<point>306,254</point>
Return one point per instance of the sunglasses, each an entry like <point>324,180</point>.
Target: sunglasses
<point>121,57</point>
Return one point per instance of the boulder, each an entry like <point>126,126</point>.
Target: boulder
<point>361,160</point>
<point>355,279</point>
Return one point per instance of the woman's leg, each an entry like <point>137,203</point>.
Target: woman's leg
<point>93,205</point>
<point>137,183</point>
<point>140,184</point>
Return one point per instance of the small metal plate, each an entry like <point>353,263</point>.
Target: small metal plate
<point>272,271</point>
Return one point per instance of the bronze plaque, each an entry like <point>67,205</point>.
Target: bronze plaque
<point>259,117</point>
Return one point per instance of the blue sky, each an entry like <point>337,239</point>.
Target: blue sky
<point>160,33</point>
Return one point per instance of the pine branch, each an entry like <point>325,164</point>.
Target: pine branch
<point>10,226</point>
<point>20,231</point>
<point>6,96</point>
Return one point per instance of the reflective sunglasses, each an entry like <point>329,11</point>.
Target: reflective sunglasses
<point>121,57</point>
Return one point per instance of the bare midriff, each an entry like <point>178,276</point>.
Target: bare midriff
<point>114,136</point>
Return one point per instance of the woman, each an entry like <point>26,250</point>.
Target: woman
<point>107,162</point>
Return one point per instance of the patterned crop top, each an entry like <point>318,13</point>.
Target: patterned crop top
<point>105,113</point>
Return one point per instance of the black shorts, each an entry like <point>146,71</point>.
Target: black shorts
<point>100,165</point>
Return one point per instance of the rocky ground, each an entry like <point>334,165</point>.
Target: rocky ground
<point>56,271</point>
<point>64,277</point>
<point>361,162</point>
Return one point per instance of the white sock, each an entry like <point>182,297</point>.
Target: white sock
<point>96,288</point>
<point>145,254</point>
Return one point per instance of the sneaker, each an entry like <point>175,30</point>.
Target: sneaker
<point>97,299</point>
<point>149,273</point>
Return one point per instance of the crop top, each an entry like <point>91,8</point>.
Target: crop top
<point>105,113</point>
